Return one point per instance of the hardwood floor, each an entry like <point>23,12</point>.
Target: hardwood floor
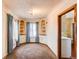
<point>32,51</point>
<point>65,58</point>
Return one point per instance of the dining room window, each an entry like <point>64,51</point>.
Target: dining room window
<point>33,29</point>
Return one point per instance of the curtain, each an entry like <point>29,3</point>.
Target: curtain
<point>37,32</point>
<point>18,42</point>
<point>10,33</point>
<point>32,32</point>
<point>27,32</point>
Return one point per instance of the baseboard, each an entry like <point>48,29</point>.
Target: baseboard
<point>32,42</point>
<point>66,58</point>
<point>28,43</point>
<point>22,43</point>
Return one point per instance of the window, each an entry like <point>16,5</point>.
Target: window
<point>32,30</point>
<point>15,29</point>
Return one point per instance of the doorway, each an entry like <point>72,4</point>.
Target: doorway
<point>67,33</point>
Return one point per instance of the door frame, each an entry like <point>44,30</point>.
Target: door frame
<point>74,7</point>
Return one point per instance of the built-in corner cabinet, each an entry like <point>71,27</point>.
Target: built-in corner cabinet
<point>42,26</point>
<point>22,31</point>
<point>22,27</point>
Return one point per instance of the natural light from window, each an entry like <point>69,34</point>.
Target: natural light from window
<point>33,30</point>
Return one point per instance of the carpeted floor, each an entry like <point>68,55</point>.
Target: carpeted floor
<point>32,51</point>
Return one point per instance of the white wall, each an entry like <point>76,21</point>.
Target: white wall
<point>43,39</point>
<point>52,28</point>
<point>4,34</point>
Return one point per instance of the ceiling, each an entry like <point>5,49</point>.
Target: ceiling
<point>31,8</point>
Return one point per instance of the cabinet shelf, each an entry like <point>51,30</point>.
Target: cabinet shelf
<point>22,27</point>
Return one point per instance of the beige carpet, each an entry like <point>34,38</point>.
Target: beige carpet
<point>33,51</point>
